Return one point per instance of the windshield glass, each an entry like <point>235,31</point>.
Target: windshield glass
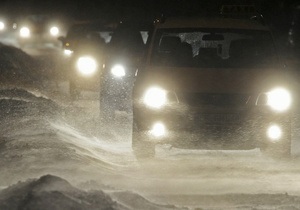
<point>213,48</point>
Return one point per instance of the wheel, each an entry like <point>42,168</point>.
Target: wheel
<point>142,148</point>
<point>281,149</point>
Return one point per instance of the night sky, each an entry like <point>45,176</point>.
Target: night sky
<point>139,8</point>
<point>276,12</point>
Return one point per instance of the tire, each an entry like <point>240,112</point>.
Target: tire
<point>282,149</point>
<point>142,149</point>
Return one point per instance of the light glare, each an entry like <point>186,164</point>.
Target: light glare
<point>118,71</point>
<point>24,32</point>
<point>158,130</point>
<point>2,26</point>
<point>54,31</point>
<point>155,97</point>
<point>274,132</point>
<point>87,65</point>
<point>279,99</point>
<point>68,52</point>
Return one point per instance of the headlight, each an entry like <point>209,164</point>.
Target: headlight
<point>2,26</point>
<point>68,52</point>
<point>118,71</point>
<point>155,97</point>
<point>54,31</point>
<point>24,32</point>
<point>86,65</point>
<point>279,99</point>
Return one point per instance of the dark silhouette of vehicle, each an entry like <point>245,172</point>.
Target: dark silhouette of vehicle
<point>85,48</point>
<point>124,54</point>
<point>212,83</point>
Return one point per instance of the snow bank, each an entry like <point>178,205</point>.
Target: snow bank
<point>18,68</point>
<point>51,192</point>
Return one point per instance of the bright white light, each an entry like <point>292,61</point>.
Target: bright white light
<point>118,71</point>
<point>86,65</point>
<point>54,31</point>
<point>279,99</point>
<point>24,32</point>
<point>155,97</point>
<point>2,26</point>
<point>68,52</point>
<point>158,130</point>
<point>274,132</point>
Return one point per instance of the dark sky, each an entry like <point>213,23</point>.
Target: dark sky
<point>140,8</point>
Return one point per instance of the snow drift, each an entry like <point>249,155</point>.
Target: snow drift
<point>42,133</point>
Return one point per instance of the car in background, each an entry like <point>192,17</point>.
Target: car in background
<point>104,57</point>
<point>80,30</point>
<point>212,83</point>
<point>124,54</point>
<point>40,31</point>
<point>84,48</point>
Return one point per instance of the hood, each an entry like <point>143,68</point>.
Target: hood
<point>214,80</point>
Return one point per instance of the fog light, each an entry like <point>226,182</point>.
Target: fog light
<point>158,130</point>
<point>274,132</point>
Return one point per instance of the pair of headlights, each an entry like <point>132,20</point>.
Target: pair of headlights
<point>25,31</point>
<point>279,99</point>
<point>87,65</point>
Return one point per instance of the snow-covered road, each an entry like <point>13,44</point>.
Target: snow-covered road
<point>42,136</point>
<point>44,132</point>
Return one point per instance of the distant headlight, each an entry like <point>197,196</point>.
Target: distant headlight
<point>86,65</point>
<point>118,71</point>
<point>155,97</point>
<point>2,26</point>
<point>54,31</point>
<point>279,99</point>
<point>24,32</point>
<point>68,52</point>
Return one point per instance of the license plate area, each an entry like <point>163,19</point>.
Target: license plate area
<point>219,119</point>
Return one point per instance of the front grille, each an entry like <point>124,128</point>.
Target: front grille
<point>213,99</point>
<point>232,118</point>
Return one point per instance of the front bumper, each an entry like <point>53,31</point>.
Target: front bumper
<point>209,128</point>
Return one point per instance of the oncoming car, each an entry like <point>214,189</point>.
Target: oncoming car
<point>84,47</point>
<point>104,56</point>
<point>123,56</point>
<point>212,83</point>
<point>40,31</point>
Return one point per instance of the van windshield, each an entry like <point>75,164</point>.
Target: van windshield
<point>213,48</point>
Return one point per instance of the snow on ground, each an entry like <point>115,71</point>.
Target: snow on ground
<point>55,155</point>
<point>51,192</point>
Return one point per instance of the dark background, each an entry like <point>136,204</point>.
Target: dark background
<point>277,13</point>
<point>142,9</point>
